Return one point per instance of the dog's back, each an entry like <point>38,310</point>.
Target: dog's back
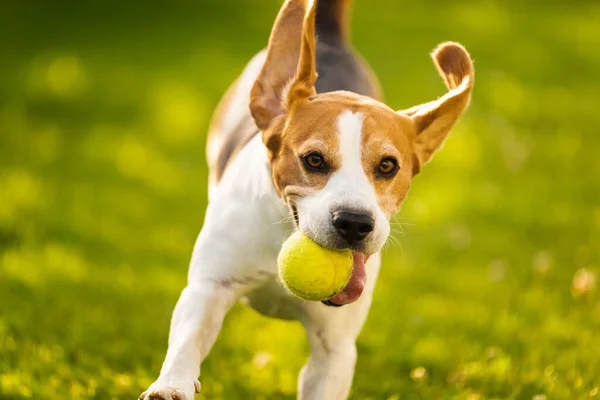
<point>339,68</point>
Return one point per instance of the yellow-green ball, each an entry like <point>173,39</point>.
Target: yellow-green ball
<point>313,272</point>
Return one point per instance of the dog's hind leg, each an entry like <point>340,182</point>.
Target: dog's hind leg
<point>332,333</point>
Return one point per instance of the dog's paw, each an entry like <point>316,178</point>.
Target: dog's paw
<point>171,390</point>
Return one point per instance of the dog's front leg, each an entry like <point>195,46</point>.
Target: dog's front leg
<point>196,322</point>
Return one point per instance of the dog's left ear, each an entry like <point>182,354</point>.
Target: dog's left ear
<point>289,73</point>
<point>434,120</point>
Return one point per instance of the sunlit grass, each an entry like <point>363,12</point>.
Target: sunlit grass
<point>489,289</point>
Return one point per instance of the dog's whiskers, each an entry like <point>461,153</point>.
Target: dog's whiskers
<point>393,241</point>
<point>399,231</point>
<point>285,220</point>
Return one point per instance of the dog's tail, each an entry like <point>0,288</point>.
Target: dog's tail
<point>332,21</point>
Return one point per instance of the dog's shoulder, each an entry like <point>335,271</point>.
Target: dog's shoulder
<point>232,126</point>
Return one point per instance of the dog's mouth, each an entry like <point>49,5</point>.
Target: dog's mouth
<point>295,214</point>
<point>355,286</point>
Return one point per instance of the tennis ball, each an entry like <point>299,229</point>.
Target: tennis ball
<point>313,272</point>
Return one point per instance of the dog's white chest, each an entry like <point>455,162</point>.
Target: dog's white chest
<point>246,223</point>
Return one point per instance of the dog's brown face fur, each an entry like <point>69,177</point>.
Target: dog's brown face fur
<point>312,128</point>
<point>314,140</point>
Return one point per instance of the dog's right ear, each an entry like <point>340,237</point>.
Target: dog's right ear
<point>288,75</point>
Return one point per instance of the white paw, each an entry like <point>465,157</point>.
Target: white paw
<point>171,390</point>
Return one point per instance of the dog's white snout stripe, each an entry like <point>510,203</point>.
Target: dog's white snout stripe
<point>348,189</point>
<point>350,180</point>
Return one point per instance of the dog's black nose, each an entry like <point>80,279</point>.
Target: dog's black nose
<point>353,226</point>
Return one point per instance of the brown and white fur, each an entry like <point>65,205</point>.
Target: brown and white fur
<point>302,137</point>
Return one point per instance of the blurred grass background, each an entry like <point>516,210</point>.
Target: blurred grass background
<point>103,112</point>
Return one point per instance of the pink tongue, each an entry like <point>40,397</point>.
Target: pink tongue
<point>356,284</point>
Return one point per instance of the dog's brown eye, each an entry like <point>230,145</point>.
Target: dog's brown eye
<point>387,167</point>
<point>314,161</point>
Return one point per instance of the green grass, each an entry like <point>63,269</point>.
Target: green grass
<point>103,109</point>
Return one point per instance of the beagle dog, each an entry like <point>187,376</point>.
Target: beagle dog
<point>302,141</point>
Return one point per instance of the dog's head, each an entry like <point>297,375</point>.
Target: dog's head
<point>341,161</point>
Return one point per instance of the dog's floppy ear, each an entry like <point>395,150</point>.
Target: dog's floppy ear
<point>434,120</point>
<point>288,75</point>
